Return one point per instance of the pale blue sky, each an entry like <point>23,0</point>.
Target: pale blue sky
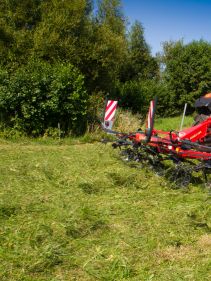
<point>165,20</point>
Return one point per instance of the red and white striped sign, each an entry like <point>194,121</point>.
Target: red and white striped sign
<point>150,114</point>
<point>110,110</point>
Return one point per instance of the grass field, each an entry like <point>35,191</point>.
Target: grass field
<point>77,212</point>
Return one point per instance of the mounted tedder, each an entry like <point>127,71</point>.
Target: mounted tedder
<point>188,149</point>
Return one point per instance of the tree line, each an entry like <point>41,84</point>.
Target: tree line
<point>58,60</point>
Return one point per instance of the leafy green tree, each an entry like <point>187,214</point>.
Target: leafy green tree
<point>18,20</point>
<point>46,29</point>
<point>143,65</point>
<point>106,49</point>
<point>57,36</point>
<point>43,42</point>
<point>69,32</point>
<point>110,13</point>
<point>187,71</point>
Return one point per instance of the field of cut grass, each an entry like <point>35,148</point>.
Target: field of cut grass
<point>77,212</point>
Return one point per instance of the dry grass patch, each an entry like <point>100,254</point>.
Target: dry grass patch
<point>173,253</point>
<point>204,242</point>
<point>202,247</point>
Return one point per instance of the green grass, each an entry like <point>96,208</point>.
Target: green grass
<point>77,212</point>
<point>173,123</point>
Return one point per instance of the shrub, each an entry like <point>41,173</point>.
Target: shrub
<point>40,95</point>
<point>136,95</point>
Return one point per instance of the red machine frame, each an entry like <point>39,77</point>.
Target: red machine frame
<point>182,146</point>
